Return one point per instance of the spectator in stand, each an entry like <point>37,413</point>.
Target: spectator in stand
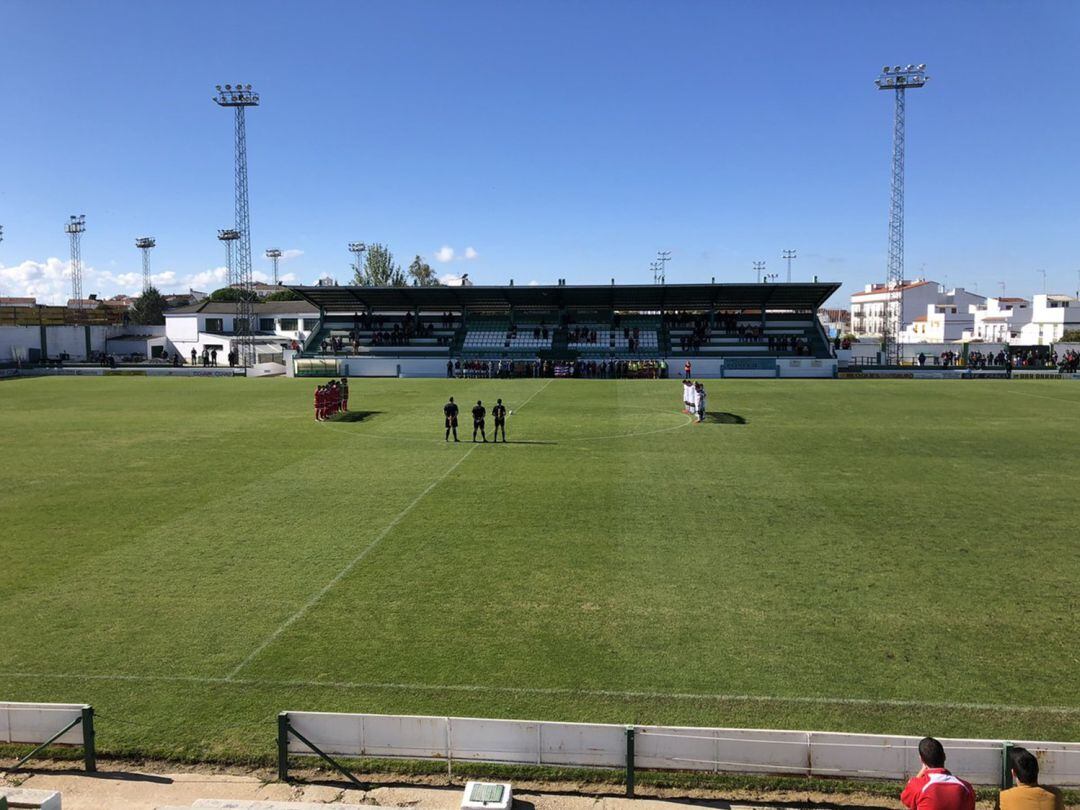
<point>1028,794</point>
<point>933,787</point>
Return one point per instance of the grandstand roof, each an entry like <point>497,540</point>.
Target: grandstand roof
<point>208,307</point>
<point>668,297</point>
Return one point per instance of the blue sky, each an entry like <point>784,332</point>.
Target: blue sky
<point>556,140</point>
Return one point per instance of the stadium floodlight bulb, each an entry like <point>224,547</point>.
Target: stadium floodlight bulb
<point>145,242</point>
<point>228,234</point>
<point>273,253</point>
<point>357,247</point>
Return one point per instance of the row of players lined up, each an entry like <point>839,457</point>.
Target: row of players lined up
<point>498,413</point>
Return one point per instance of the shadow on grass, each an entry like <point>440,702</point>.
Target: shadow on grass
<point>354,416</point>
<point>722,418</point>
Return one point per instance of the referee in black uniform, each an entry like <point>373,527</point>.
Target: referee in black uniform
<point>478,414</point>
<point>499,412</point>
<point>450,411</point>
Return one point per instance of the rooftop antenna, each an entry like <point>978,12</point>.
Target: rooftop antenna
<point>662,257</point>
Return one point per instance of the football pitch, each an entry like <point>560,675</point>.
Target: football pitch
<point>192,556</point>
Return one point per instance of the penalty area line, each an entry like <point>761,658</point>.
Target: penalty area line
<point>539,690</point>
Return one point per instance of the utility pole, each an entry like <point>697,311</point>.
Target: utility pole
<point>274,255</point>
<point>240,97</point>
<point>788,255</point>
<point>145,244</point>
<point>655,267</point>
<point>75,228</point>
<point>663,257</point>
<point>759,268</point>
<point>898,79</point>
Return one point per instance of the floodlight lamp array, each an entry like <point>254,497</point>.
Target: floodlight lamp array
<point>236,95</point>
<point>900,76</point>
<point>228,234</point>
<point>144,242</point>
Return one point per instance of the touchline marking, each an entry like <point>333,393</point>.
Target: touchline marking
<point>554,690</point>
<point>314,600</point>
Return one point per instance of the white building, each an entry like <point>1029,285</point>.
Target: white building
<point>912,299</point>
<point>942,323</point>
<point>999,320</point>
<point>1051,317</point>
<point>210,325</point>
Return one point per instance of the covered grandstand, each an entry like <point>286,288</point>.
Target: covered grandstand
<point>722,329</point>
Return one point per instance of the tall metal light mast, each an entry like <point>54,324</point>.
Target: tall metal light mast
<point>229,236</point>
<point>145,243</point>
<point>274,255</point>
<point>240,97</point>
<point>759,268</point>
<point>897,79</point>
<point>357,249</point>
<point>74,228</point>
<point>788,255</point>
<point>662,258</point>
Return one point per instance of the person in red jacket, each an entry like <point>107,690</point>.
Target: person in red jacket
<point>933,787</point>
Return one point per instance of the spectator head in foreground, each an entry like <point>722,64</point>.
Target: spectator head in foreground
<point>1028,793</point>
<point>931,752</point>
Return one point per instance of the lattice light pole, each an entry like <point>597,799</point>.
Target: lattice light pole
<point>75,228</point>
<point>229,236</point>
<point>145,244</point>
<point>788,255</point>
<point>274,255</point>
<point>240,97</point>
<point>898,79</point>
<point>357,250</point>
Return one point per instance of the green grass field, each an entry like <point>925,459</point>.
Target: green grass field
<point>192,556</point>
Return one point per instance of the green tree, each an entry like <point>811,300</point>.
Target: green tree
<point>1070,336</point>
<point>284,295</point>
<point>230,294</point>
<point>422,274</point>
<point>149,308</point>
<point>380,269</point>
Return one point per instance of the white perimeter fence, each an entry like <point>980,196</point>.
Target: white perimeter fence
<point>593,745</point>
<point>44,724</point>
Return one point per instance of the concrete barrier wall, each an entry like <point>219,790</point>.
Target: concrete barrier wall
<point>37,722</point>
<point>801,753</point>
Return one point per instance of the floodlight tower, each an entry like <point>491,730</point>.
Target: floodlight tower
<point>759,268</point>
<point>240,97</point>
<point>229,236</point>
<point>145,243</point>
<point>357,249</point>
<point>788,255</point>
<point>662,258</point>
<point>897,79</point>
<point>274,255</point>
<point>74,228</point>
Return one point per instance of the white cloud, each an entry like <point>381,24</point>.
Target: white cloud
<point>291,253</point>
<point>207,280</point>
<point>470,253</point>
<point>444,254</point>
<point>534,283</point>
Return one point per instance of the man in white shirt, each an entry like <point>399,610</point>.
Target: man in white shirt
<point>688,398</point>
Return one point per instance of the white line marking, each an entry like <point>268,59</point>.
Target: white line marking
<point>314,600</point>
<point>529,690</point>
<point>1042,396</point>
